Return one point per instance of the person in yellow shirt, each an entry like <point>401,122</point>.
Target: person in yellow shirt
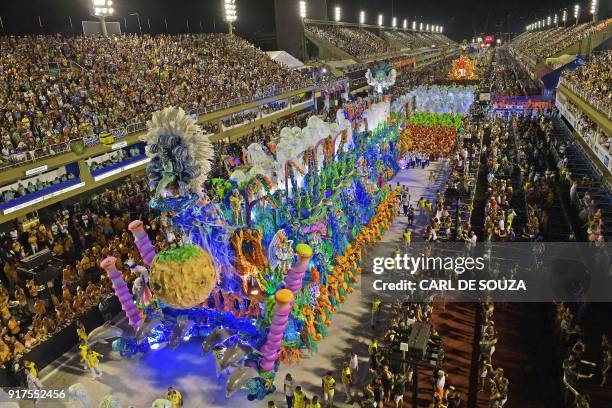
<point>347,381</point>
<point>328,384</point>
<point>314,403</point>
<point>373,346</point>
<point>299,398</point>
<point>421,206</point>
<point>30,366</point>
<point>81,331</point>
<point>376,306</point>
<point>407,237</point>
<point>218,352</point>
<point>175,397</point>
<point>93,360</point>
<point>429,206</point>
<point>83,347</point>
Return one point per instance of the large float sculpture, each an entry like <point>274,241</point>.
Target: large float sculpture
<point>381,77</point>
<point>227,271</point>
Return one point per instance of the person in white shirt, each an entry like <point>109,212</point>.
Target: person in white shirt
<point>354,363</point>
<point>288,388</point>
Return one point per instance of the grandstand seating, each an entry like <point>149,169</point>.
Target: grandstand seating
<point>57,89</point>
<point>536,46</point>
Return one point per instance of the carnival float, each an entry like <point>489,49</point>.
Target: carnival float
<point>260,262</point>
<point>463,68</point>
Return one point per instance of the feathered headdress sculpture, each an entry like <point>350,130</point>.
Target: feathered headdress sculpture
<point>180,154</point>
<point>382,76</point>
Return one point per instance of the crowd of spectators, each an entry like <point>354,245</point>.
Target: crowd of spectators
<point>358,42</point>
<point>572,344</point>
<point>79,235</point>
<point>31,186</point>
<point>116,157</point>
<point>56,88</point>
<point>587,128</point>
<point>508,78</point>
<point>594,78</point>
<point>538,45</point>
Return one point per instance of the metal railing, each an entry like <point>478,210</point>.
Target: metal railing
<point>93,139</point>
<point>602,106</point>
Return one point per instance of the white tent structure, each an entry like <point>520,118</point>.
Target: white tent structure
<point>285,58</point>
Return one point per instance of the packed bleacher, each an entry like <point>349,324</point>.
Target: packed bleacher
<point>55,89</point>
<point>539,45</point>
<point>592,81</point>
<point>509,78</point>
<point>358,42</point>
<point>80,236</point>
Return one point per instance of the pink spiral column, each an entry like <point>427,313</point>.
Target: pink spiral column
<point>274,340</point>
<point>122,291</point>
<point>293,279</point>
<point>142,241</point>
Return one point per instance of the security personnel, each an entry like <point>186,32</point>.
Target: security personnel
<point>83,347</point>
<point>31,367</point>
<point>407,237</point>
<point>376,305</point>
<point>347,381</point>
<point>329,388</point>
<point>299,398</point>
<point>373,346</point>
<point>175,397</point>
<point>92,362</point>
<point>218,352</point>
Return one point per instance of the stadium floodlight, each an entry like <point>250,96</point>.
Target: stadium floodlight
<point>337,13</point>
<point>380,20</point>
<point>577,12</point>
<point>421,27</point>
<point>441,29</point>
<point>427,27</point>
<point>230,14</point>
<point>103,9</point>
<point>303,9</point>
<point>594,9</point>
<point>394,22</point>
<point>405,24</point>
<point>362,17</point>
<point>556,21</point>
<point>414,25</point>
<point>564,16</point>
<point>548,21</point>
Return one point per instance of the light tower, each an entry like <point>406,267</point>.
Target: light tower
<point>594,9</point>
<point>394,22</point>
<point>414,25</point>
<point>362,17</point>
<point>103,9</point>
<point>380,20</point>
<point>564,17</point>
<point>230,14</point>
<point>405,24</point>
<point>303,13</point>
<point>337,13</point>
<point>556,20</point>
<point>577,13</point>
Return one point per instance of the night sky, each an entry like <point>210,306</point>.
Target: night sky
<point>461,19</point>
